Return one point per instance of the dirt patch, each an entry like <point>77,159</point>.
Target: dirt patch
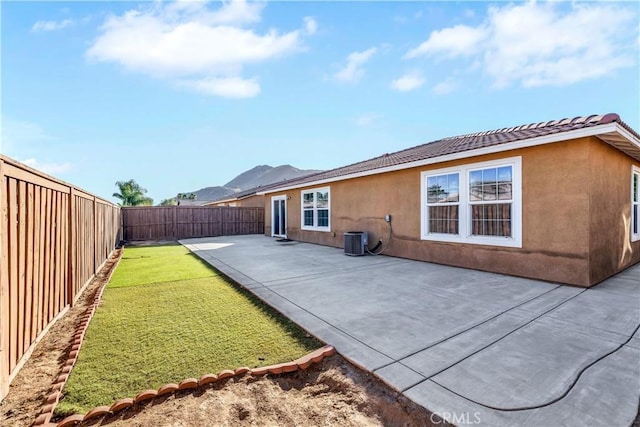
<point>150,242</point>
<point>333,392</point>
<point>33,383</point>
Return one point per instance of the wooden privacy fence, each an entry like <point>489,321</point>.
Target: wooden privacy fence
<point>55,237</point>
<point>183,222</point>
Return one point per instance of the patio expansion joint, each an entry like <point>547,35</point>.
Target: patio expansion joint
<point>535,406</point>
<point>504,336</point>
<point>579,329</point>
<point>334,272</point>
<point>399,360</point>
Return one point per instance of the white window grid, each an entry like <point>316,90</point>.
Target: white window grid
<point>315,208</point>
<point>464,211</point>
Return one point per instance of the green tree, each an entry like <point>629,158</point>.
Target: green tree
<point>131,194</point>
<point>169,202</point>
<point>186,196</point>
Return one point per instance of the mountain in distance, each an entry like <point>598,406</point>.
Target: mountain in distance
<point>257,176</point>
<point>264,175</point>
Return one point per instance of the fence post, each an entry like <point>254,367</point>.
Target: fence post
<point>121,210</point>
<point>222,221</point>
<point>72,248</point>
<point>121,215</point>
<point>174,228</point>
<point>4,288</point>
<point>95,235</point>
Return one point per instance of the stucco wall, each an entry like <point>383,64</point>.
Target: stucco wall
<point>252,202</point>
<point>255,201</point>
<point>556,226</point>
<point>611,249</point>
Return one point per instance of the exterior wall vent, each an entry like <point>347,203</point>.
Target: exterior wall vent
<point>355,243</point>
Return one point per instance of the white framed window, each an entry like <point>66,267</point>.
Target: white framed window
<point>479,203</point>
<point>316,208</point>
<point>635,203</point>
<point>443,203</point>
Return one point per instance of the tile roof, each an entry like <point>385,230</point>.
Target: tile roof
<point>190,203</point>
<point>458,144</point>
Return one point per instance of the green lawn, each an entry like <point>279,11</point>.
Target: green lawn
<point>166,316</point>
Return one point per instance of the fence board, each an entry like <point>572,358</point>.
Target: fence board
<point>28,303</point>
<point>183,222</point>
<point>13,279</point>
<point>55,256</point>
<point>48,268</point>
<point>22,250</point>
<point>61,262</point>
<point>41,259</point>
<point>36,318</point>
<point>4,283</point>
<point>54,238</point>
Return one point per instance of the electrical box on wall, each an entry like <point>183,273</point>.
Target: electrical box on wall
<point>387,217</point>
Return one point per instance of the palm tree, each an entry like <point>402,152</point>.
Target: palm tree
<point>131,194</point>
<point>187,196</point>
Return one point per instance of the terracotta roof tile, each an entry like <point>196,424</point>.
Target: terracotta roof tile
<point>458,144</point>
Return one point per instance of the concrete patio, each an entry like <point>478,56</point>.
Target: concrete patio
<point>473,347</point>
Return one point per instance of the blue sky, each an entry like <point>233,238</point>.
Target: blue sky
<point>183,95</point>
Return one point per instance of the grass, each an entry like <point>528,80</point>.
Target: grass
<point>166,316</point>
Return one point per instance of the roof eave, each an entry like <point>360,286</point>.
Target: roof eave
<point>612,133</point>
<point>221,201</point>
<point>623,140</point>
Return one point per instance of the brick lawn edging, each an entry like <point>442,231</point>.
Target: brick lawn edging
<point>302,363</point>
<point>47,410</point>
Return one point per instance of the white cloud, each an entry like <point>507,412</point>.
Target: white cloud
<point>186,40</point>
<point>452,42</point>
<point>367,119</point>
<point>408,82</point>
<point>227,87</point>
<point>310,25</point>
<point>49,168</point>
<point>537,44</point>
<point>353,70</point>
<point>445,87</point>
<point>44,26</point>
<point>238,12</point>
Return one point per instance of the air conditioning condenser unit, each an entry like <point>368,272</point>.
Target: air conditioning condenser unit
<point>355,243</point>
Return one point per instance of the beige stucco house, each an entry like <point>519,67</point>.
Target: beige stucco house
<point>244,199</point>
<point>557,201</point>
